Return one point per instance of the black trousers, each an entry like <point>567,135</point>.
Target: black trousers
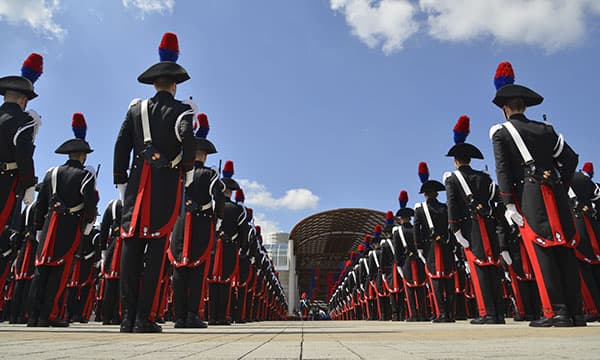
<point>142,263</point>
<point>110,302</point>
<point>557,276</point>
<point>443,291</point>
<point>20,300</point>
<point>187,290</point>
<point>417,302</point>
<point>48,291</point>
<point>385,307</point>
<point>591,292</point>
<point>219,295</point>
<point>530,298</point>
<point>374,314</point>
<point>488,290</point>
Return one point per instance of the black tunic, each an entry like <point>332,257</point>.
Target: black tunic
<point>551,153</point>
<point>413,267</point>
<point>153,194</point>
<point>25,263</point>
<point>474,216</point>
<point>437,246</point>
<point>61,227</point>
<point>588,228</point>
<point>198,219</point>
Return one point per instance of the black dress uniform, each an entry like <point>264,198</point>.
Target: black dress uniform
<point>112,244</point>
<point>81,290</point>
<point>225,259</point>
<point>24,268</point>
<point>536,182</point>
<point>244,276</point>
<point>431,229</point>
<point>66,206</point>
<point>17,134</point>
<point>473,215</point>
<point>194,235</point>
<point>413,271</point>
<point>163,153</point>
<point>583,193</point>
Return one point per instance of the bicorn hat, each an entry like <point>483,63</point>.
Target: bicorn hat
<point>428,186</point>
<point>227,174</point>
<point>506,89</point>
<point>78,143</point>
<point>168,52</point>
<point>201,129</point>
<point>461,148</point>
<point>404,212</point>
<point>30,71</point>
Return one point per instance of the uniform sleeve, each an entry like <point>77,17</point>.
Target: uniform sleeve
<point>105,226</point>
<point>123,147</point>
<point>566,159</point>
<point>186,134</point>
<point>24,148</point>
<point>502,227</point>
<point>454,204</point>
<point>218,196</point>
<point>90,199</point>
<point>503,167</point>
<point>42,203</point>
<point>419,230</point>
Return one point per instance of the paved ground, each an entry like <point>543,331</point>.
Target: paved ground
<point>305,340</point>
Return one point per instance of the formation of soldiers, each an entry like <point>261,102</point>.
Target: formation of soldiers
<point>526,247</point>
<point>173,246</point>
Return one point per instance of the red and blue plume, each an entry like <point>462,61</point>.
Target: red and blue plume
<point>377,230</point>
<point>33,67</point>
<point>360,248</point>
<point>239,196</point>
<point>168,50</point>
<point>423,171</point>
<point>79,126</point>
<point>367,239</point>
<point>201,126</point>
<point>462,129</point>
<point>352,254</point>
<point>403,199</point>
<point>389,217</point>
<point>249,214</point>
<point>504,75</point>
<point>228,169</point>
<point>588,168</point>
<point>257,227</point>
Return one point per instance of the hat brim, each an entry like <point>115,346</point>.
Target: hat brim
<point>230,183</point>
<point>205,145</point>
<point>19,84</point>
<point>465,150</point>
<point>405,212</point>
<point>74,146</point>
<point>164,69</point>
<point>430,186</point>
<point>511,91</point>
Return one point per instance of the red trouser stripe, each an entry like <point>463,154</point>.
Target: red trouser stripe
<point>187,235</point>
<point>528,238</point>
<point>487,247</point>
<point>48,247</point>
<point>514,282</point>
<point>592,237</point>
<point>25,264</point>
<point>8,206</point>
<point>155,301</point>
<point>435,300</point>
<point>139,199</point>
<point>476,283</point>
<point>217,270</point>
<point>588,300</point>
<point>552,210</point>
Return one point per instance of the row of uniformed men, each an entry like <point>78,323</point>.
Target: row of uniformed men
<point>540,222</point>
<point>171,205</point>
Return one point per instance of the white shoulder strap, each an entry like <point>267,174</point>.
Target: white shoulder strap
<point>146,122</point>
<point>374,255</point>
<point>391,245</point>
<point>463,183</point>
<point>401,234</point>
<point>428,215</point>
<point>114,209</point>
<point>54,179</point>
<point>572,193</point>
<point>514,133</point>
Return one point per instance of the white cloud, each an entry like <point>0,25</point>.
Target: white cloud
<point>38,14</point>
<point>266,226</point>
<point>385,23</point>
<point>294,199</point>
<point>151,5</point>
<point>549,24</point>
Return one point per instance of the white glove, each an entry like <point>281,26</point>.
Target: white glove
<point>461,239</point>
<point>29,195</point>
<point>506,257</point>
<point>192,104</point>
<point>37,120</point>
<point>511,211</point>
<point>88,229</point>
<point>189,178</point>
<point>38,236</point>
<point>122,188</point>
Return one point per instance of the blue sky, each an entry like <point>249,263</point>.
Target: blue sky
<point>321,104</point>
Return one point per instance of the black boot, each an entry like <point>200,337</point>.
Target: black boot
<point>179,323</point>
<point>579,320</point>
<point>127,322</point>
<point>484,320</point>
<point>440,319</point>
<point>194,321</point>
<point>146,326</point>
